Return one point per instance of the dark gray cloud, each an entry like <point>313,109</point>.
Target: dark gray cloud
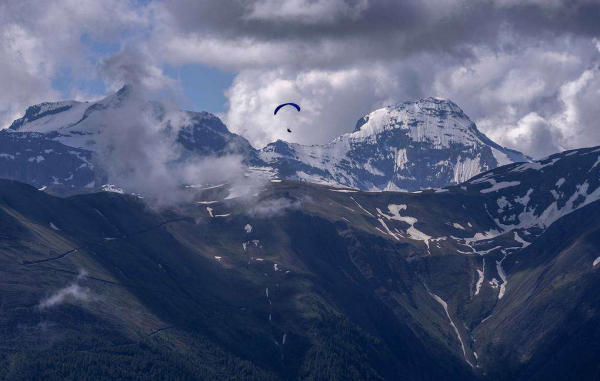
<point>421,20</point>
<point>525,70</point>
<point>137,68</point>
<point>381,30</point>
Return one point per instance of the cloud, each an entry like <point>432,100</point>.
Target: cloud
<point>73,293</point>
<point>133,67</point>
<point>24,78</point>
<point>561,94</point>
<point>507,63</point>
<point>331,102</point>
<point>70,294</point>
<point>139,150</point>
<point>304,11</point>
<point>531,133</point>
<point>498,90</point>
<point>500,60</point>
<point>326,33</point>
<point>274,207</point>
<point>41,40</point>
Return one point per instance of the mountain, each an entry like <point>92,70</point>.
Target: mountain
<point>74,131</point>
<point>429,143</point>
<point>491,279</point>
<point>35,159</point>
<point>79,125</point>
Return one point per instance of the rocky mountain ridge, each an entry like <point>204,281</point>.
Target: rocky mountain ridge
<point>413,145</point>
<point>429,143</point>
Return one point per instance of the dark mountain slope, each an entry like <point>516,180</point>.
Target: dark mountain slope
<point>157,290</point>
<point>490,279</point>
<point>547,327</point>
<point>35,159</point>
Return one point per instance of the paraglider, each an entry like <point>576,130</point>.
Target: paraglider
<point>286,104</point>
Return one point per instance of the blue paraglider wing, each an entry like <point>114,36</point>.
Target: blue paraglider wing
<point>286,104</point>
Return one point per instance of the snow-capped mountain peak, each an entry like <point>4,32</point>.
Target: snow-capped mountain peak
<point>407,146</point>
<point>402,112</point>
<point>54,143</point>
<point>439,121</point>
<point>428,143</point>
<point>78,124</point>
<point>49,116</point>
<point>52,116</point>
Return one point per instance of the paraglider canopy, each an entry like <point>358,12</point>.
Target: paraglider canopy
<point>286,104</point>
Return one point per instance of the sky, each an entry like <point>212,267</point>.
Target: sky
<point>527,72</point>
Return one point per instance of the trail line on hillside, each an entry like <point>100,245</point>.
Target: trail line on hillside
<point>61,256</point>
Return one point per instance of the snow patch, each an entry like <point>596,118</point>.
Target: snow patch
<point>112,188</point>
<point>525,199</point>
<point>520,240</point>
<point>502,276</point>
<point>211,187</point>
<point>536,165</point>
<point>497,186</point>
<point>401,159</point>
<point>364,210</point>
<point>482,236</point>
<point>344,190</point>
<point>494,283</point>
<point>481,278</point>
<point>464,169</point>
<point>445,305</point>
<point>37,159</point>
<point>552,213</point>
<point>595,164</point>
<point>413,232</point>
